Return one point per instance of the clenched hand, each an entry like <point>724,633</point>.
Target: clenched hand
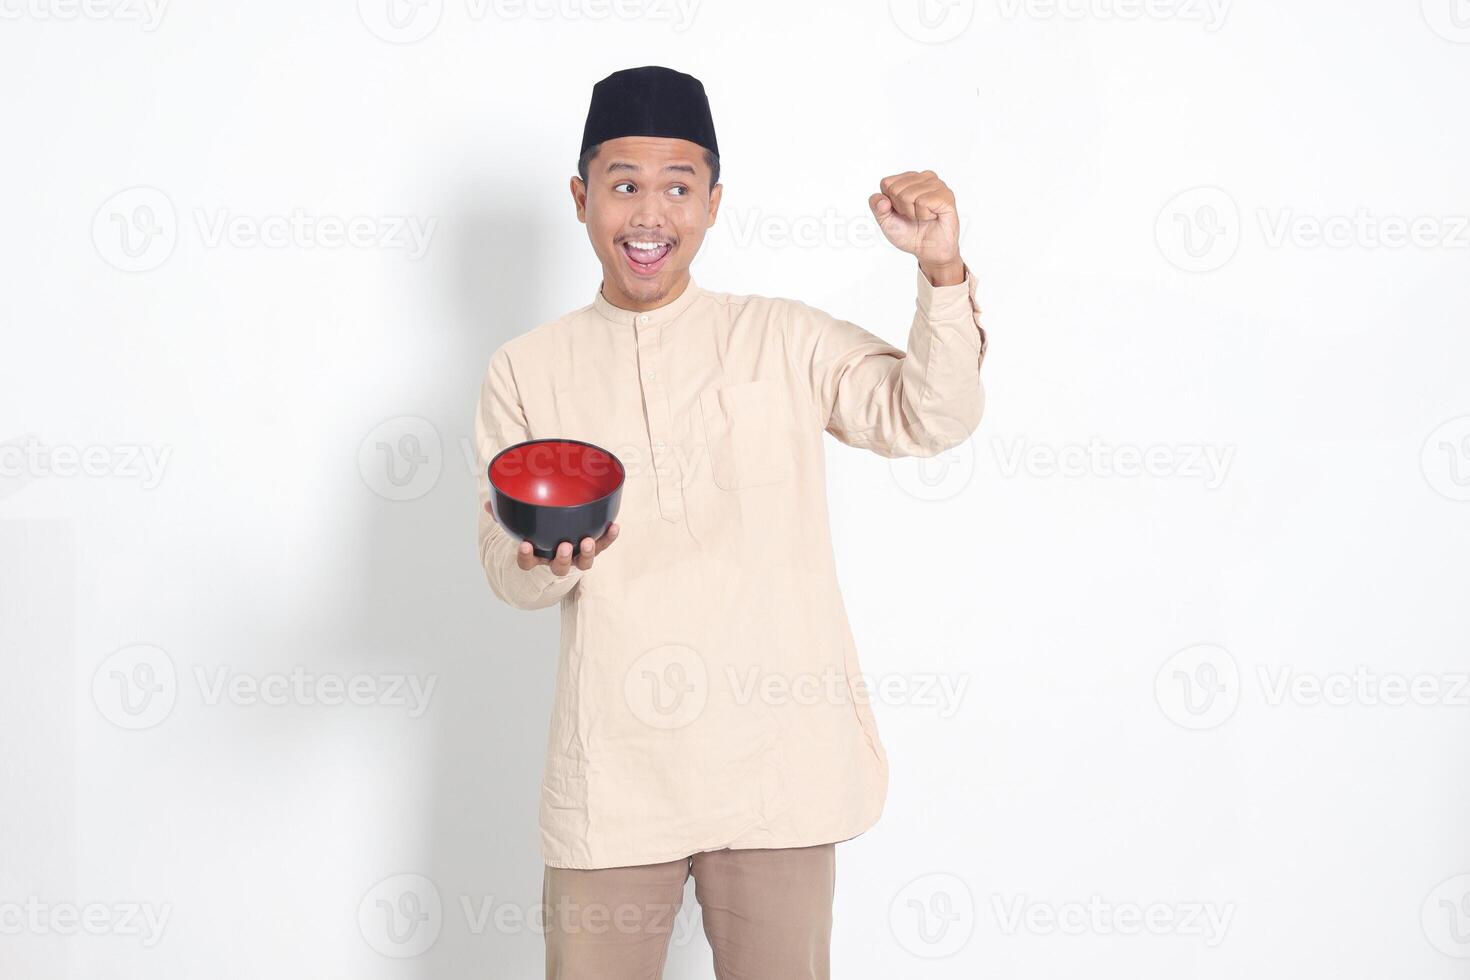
<point>916,212</point>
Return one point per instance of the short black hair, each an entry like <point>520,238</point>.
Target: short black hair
<point>711,160</point>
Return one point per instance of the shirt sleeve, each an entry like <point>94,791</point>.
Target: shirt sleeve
<point>501,422</point>
<point>917,402</point>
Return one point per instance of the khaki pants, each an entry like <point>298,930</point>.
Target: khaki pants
<point>767,914</point>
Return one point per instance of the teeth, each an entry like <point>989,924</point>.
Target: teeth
<point>648,246</point>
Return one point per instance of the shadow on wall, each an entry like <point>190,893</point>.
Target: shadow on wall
<point>425,594</point>
<point>497,664</point>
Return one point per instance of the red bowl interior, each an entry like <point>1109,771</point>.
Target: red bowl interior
<point>556,472</point>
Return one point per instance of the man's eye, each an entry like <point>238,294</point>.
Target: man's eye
<point>626,183</point>
<point>680,188</point>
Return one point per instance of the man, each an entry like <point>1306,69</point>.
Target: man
<point>709,717</point>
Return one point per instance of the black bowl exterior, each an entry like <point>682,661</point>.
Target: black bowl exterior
<point>546,527</point>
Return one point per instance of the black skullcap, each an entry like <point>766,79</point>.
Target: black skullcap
<point>649,101</point>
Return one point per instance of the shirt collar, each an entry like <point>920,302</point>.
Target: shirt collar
<point>648,318</point>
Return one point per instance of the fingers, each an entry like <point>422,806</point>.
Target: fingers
<point>891,185</point>
<point>608,536</point>
<point>931,204</point>
<point>591,549</point>
<point>918,195</point>
<point>897,189</point>
<point>562,563</point>
<point>527,558</point>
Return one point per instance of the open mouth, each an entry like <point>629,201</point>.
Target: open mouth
<point>645,258</point>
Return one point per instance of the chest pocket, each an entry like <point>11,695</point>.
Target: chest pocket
<point>747,432</point>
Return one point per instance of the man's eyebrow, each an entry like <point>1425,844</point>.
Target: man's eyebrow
<point>625,165</point>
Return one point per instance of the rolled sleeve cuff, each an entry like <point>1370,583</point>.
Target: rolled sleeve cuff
<point>530,588</point>
<point>543,578</point>
<point>949,304</point>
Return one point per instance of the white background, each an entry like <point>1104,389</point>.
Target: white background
<point>1142,735</point>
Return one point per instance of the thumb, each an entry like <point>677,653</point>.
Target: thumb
<point>880,204</point>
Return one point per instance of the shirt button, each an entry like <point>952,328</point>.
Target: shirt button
<point>658,447</point>
<point>650,375</point>
<point>643,318</point>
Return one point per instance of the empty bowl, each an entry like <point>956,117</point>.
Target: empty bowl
<point>547,491</point>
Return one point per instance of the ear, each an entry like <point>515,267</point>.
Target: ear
<point>714,204</point>
<point>579,198</point>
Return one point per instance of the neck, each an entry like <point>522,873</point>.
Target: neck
<point>622,300</point>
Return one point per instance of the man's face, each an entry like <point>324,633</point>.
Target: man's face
<point>642,191</point>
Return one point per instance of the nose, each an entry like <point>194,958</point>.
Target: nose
<point>648,216</point>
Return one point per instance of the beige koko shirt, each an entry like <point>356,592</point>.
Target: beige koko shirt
<point>708,691</point>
